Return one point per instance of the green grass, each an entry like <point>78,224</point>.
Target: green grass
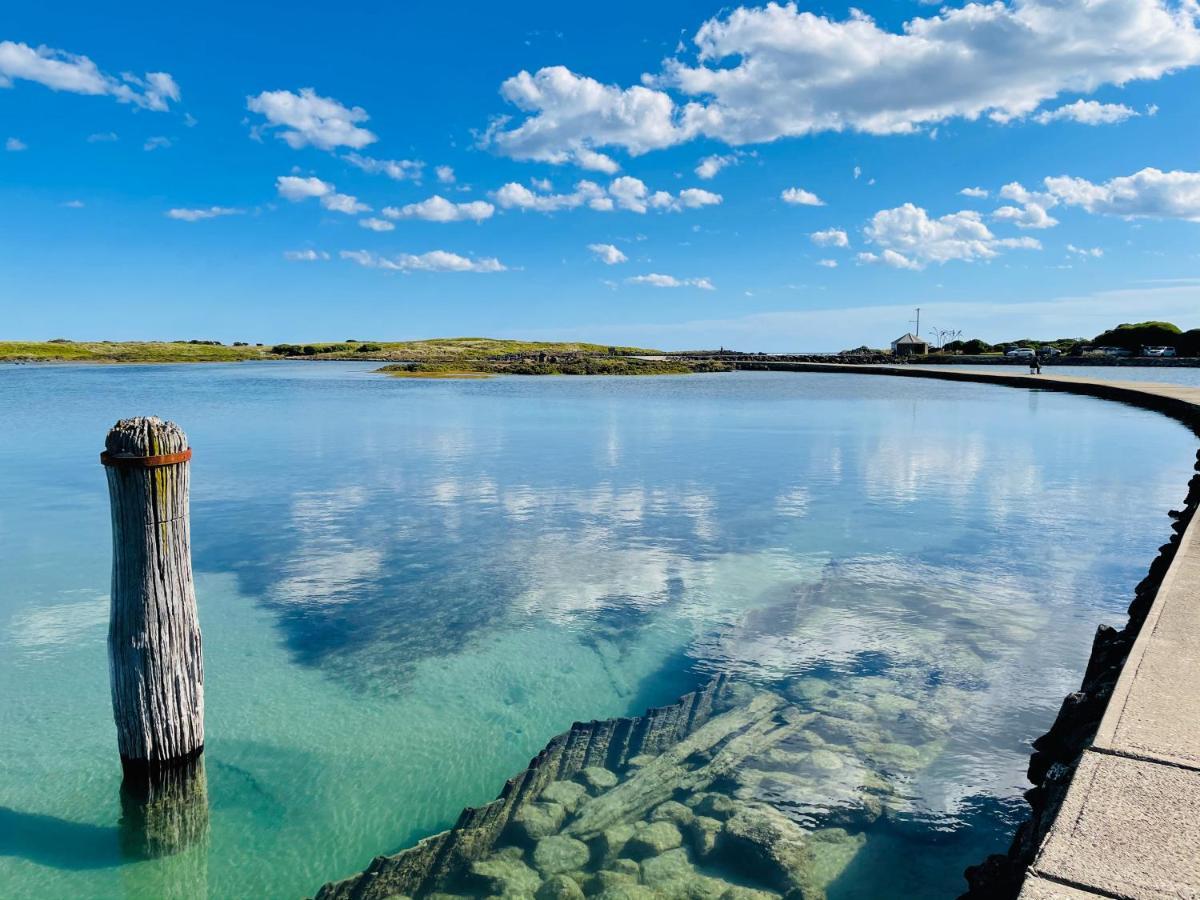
<point>434,350</point>
<point>124,351</point>
<point>581,365</point>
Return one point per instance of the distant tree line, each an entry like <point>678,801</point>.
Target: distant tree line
<point>1131,337</point>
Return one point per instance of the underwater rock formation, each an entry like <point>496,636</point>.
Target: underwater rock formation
<point>1057,753</point>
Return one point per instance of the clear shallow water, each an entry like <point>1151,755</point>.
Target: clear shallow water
<point>407,587</point>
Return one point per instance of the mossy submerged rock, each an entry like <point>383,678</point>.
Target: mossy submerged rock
<point>505,874</point>
<point>672,811</point>
<point>567,794</point>
<point>703,832</point>
<point>559,887</point>
<point>536,821</point>
<point>559,854</point>
<point>596,779</point>
<point>652,839</point>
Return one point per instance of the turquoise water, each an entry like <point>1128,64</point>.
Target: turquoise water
<point>407,587</point>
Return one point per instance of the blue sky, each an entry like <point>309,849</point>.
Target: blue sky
<point>384,171</point>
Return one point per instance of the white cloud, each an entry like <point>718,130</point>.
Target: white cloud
<point>439,209</point>
<point>830,237</point>
<point>800,197</point>
<point>293,187</point>
<point>73,204</point>
<point>102,137</point>
<point>305,255</point>
<point>910,239</point>
<point>625,192</point>
<point>297,188</point>
<point>1150,193</point>
<point>15,145</point>
<point>1031,215</point>
<point>654,279</point>
<point>1087,112</point>
<point>711,165</point>
<point>433,261</point>
<point>344,203</point>
<point>608,254</point>
<point>62,71</point>
<point>1094,252</point>
<point>857,172</point>
<point>977,192</point>
<point>776,71</point>
<point>827,263</point>
<point>517,196</point>
<point>396,169</point>
<point>693,198</point>
<point>156,143</point>
<point>377,224</point>
<point>308,118</point>
<point>195,215</point>
<point>445,174</point>
<point>594,162</point>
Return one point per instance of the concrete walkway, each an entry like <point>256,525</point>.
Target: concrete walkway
<point>1130,825</point>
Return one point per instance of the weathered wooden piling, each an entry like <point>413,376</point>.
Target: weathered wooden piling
<point>155,664</point>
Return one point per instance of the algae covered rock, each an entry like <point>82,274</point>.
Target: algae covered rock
<point>715,806</point>
<point>653,839</point>
<point>703,832</point>
<point>505,874</point>
<point>559,887</point>
<point>537,820</point>
<point>672,811</point>
<point>568,794</point>
<point>558,853</point>
<point>596,779</point>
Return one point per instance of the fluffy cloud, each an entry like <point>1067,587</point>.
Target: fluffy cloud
<point>1087,112</point>
<point>1150,193</point>
<point>62,71</point>
<point>195,215</point>
<point>377,224</point>
<point>909,238</point>
<point>15,145</point>
<point>830,237</point>
<point>156,143</point>
<point>626,192</point>
<point>1032,210</point>
<point>608,254</point>
<point>445,174</point>
<point>800,197</point>
<point>776,71</point>
<point>977,192</point>
<point>304,255</point>
<point>711,165</point>
<point>439,209</point>
<point>308,118</point>
<point>1094,252</point>
<point>433,261</point>
<point>827,263</point>
<point>670,281</point>
<point>396,169</point>
<point>296,188</point>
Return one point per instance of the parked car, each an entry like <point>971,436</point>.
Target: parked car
<point>1158,351</point>
<point>1114,351</point>
<point>1020,353</point>
<point>1047,350</point>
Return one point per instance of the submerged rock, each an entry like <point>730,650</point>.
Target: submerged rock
<point>652,839</point>
<point>596,779</point>
<point>559,887</point>
<point>558,853</point>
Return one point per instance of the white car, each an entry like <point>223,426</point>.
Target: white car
<point>1020,353</point>
<point>1160,351</point>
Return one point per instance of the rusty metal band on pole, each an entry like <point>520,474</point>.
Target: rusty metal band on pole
<point>145,462</point>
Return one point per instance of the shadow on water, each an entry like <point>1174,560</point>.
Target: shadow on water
<point>59,843</point>
<point>919,857</point>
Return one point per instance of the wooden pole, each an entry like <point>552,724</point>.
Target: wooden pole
<point>155,664</point>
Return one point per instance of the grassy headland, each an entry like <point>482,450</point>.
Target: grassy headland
<point>437,350</point>
<point>560,365</point>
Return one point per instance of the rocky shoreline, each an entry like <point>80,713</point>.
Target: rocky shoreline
<point>1057,753</point>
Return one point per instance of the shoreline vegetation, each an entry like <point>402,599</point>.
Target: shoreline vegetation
<point>1140,344</point>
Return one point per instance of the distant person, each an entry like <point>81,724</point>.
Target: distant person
<point>1035,364</point>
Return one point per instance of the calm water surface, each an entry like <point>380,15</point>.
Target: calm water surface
<point>407,587</point>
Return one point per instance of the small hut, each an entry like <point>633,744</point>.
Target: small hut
<point>909,345</point>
